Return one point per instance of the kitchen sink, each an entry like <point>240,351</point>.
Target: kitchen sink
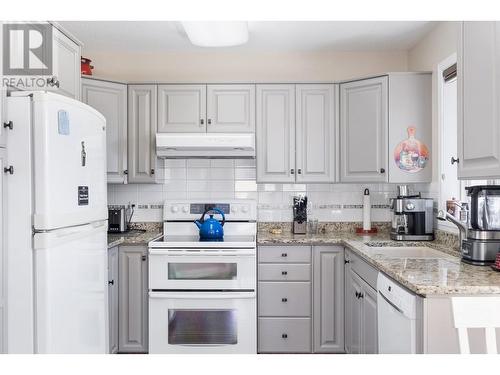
<point>414,252</point>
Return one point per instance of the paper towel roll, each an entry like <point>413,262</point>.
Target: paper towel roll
<point>367,223</point>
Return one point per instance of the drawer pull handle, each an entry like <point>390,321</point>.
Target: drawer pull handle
<point>284,300</point>
<point>284,255</point>
<point>284,336</point>
<point>284,273</point>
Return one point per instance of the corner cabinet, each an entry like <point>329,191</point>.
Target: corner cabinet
<point>478,69</point>
<point>328,297</point>
<point>296,133</point>
<point>386,129</point>
<point>133,299</point>
<point>110,99</point>
<point>142,125</point>
<point>363,130</point>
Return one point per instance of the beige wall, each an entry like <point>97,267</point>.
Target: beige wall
<point>436,46</point>
<point>251,67</point>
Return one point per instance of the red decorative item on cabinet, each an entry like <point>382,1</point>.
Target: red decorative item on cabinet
<point>86,67</point>
<point>496,266</point>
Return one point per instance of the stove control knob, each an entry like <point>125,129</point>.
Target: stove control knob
<point>185,209</point>
<point>174,209</point>
<point>244,209</point>
<point>410,206</point>
<point>234,209</point>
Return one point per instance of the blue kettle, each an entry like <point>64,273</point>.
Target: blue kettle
<point>211,229</point>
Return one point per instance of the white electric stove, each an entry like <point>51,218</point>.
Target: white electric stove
<point>202,294</point>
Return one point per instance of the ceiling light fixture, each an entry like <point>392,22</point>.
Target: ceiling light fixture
<point>216,33</point>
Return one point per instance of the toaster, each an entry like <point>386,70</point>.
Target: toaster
<point>117,220</point>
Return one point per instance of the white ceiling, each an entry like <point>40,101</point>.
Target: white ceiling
<point>265,36</point>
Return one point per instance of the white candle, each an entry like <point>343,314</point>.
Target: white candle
<point>367,224</point>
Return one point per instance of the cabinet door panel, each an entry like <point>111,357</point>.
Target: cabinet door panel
<point>3,251</point>
<point>478,68</point>
<point>110,99</point>
<point>369,337</point>
<point>142,133</point>
<point>231,108</point>
<point>181,108</point>
<point>113,298</point>
<point>363,130</point>
<point>66,64</point>
<point>133,301</point>
<point>275,133</point>
<point>353,313</point>
<point>315,133</point>
<point>328,299</point>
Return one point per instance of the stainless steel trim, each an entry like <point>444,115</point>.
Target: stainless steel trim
<point>483,234</point>
<point>412,237</point>
<point>390,303</point>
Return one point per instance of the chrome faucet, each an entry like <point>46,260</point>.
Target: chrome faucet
<point>462,227</point>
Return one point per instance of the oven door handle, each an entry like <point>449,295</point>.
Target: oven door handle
<point>197,253</point>
<point>202,295</point>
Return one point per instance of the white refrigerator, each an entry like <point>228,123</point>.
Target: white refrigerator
<point>57,226</point>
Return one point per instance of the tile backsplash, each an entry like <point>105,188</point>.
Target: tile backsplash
<point>215,179</point>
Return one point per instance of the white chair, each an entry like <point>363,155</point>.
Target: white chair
<point>476,312</point>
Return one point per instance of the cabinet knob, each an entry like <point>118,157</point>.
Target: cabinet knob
<point>299,171</point>
<point>284,255</point>
<point>9,125</point>
<point>361,295</point>
<point>125,171</point>
<point>382,170</point>
<point>292,171</point>
<point>346,261</point>
<point>111,282</point>
<point>284,336</point>
<point>202,121</point>
<point>143,258</point>
<point>152,171</point>
<point>453,160</point>
<point>284,299</point>
<point>9,170</point>
<point>284,273</point>
<point>209,121</point>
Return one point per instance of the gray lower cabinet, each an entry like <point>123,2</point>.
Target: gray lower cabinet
<point>360,306</point>
<point>328,286</point>
<point>133,299</point>
<point>113,308</point>
<point>284,299</point>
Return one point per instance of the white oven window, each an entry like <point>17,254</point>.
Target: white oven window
<point>202,271</point>
<point>202,327</point>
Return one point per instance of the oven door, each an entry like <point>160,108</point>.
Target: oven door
<point>209,269</point>
<point>202,322</point>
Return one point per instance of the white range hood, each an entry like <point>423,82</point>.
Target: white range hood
<point>205,145</point>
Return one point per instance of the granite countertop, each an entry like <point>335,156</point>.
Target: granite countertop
<point>134,237</point>
<point>425,277</point>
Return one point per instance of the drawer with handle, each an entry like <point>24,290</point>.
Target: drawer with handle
<point>284,272</point>
<point>284,254</point>
<point>284,335</point>
<point>284,299</point>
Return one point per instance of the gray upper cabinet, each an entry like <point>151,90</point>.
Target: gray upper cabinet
<point>231,108</point>
<point>110,99</point>
<point>66,64</point>
<point>478,68</point>
<point>142,124</point>
<point>133,299</point>
<point>315,133</point>
<point>181,108</point>
<point>363,130</point>
<point>328,322</point>
<point>113,308</point>
<point>275,133</point>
